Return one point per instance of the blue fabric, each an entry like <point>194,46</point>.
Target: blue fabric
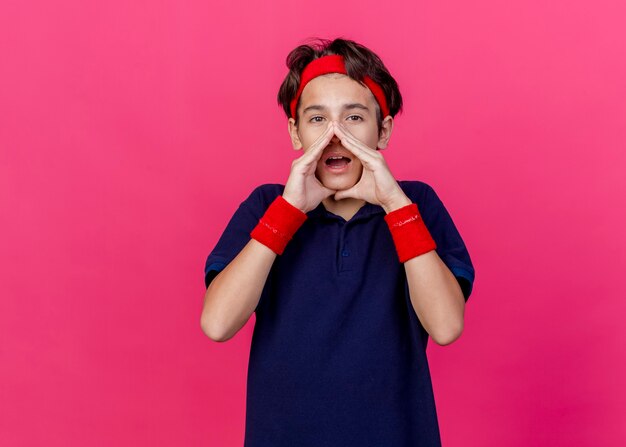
<point>338,355</point>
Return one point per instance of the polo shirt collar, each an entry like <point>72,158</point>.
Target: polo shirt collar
<point>368,209</point>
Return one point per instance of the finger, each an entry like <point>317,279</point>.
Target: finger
<point>316,149</point>
<point>350,137</point>
<point>366,154</point>
<point>350,192</point>
<point>327,191</point>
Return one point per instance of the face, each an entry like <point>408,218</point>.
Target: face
<point>335,96</point>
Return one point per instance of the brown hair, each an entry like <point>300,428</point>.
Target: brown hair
<point>359,61</point>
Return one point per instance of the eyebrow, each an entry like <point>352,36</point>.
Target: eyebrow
<point>353,105</point>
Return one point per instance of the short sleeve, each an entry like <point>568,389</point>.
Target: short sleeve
<point>450,246</point>
<point>236,234</point>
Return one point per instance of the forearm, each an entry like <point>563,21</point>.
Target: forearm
<point>234,293</point>
<point>435,293</point>
<point>436,297</point>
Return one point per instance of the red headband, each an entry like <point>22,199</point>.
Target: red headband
<point>333,63</point>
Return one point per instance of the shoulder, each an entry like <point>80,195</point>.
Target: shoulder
<point>428,201</point>
<point>417,191</point>
<point>263,195</point>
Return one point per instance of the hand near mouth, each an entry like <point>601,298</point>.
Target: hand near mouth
<point>303,190</point>
<point>377,184</point>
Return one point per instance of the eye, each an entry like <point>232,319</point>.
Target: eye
<point>313,120</point>
<point>355,116</point>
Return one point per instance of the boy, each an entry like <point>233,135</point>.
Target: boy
<point>347,277</point>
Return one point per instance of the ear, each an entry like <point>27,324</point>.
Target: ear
<point>385,132</point>
<point>293,133</point>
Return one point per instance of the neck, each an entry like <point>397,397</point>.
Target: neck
<point>344,205</point>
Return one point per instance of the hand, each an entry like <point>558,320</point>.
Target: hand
<point>377,185</point>
<point>303,190</point>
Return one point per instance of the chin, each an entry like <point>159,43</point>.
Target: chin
<point>338,182</point>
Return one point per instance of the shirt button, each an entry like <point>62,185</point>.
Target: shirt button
<point>345,253</point>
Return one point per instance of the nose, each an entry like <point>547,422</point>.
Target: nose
<point>335,138</point>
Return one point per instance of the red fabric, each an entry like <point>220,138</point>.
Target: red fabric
<point>409,233</point>
<point>278,225</point>
<point>334,63</point>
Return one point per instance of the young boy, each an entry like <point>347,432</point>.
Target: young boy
<point>347,277</point>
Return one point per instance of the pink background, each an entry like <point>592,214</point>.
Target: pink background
<point>131,131</point>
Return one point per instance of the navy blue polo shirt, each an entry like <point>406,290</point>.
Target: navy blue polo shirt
<point>338,355</point>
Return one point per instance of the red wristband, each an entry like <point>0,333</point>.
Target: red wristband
<point>278,225</point>
<point>409,232</point>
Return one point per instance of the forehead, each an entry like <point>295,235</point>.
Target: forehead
<point>334,88</point>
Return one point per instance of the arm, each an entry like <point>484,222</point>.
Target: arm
<point>435,293</point>
<point>234,293</point>
<point>436,297</point>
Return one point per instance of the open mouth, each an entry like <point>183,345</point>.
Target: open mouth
<point>337,162</point>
